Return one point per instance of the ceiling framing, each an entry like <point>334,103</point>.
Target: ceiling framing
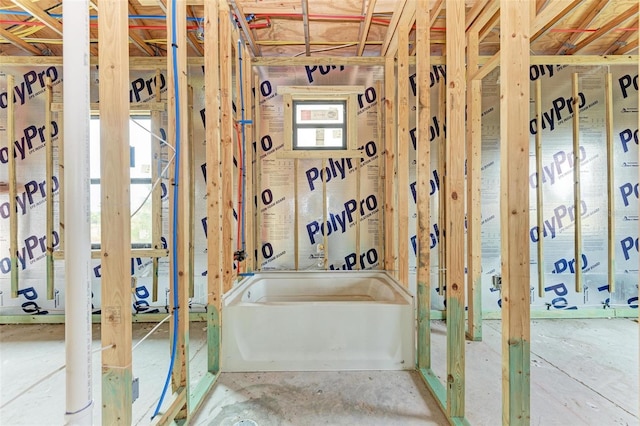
<point>336,28</point>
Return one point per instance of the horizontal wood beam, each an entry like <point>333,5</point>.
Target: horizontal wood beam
<point>147,252</point>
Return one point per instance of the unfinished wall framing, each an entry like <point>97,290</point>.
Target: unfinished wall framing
<point>526,249</point>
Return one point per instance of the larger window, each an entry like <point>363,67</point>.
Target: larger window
<point>140,172</point>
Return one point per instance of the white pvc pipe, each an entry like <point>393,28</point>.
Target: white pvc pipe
<point>79,400</point>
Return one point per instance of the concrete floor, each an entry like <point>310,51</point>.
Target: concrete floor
<point>583,372</point>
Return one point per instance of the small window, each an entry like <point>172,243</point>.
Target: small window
<point>319,125</point>
<point>320,121</point>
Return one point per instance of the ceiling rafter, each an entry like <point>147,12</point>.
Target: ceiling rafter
<point>365,25</point>
<point>623,50</point>
<point>393,25</point>
<point>487,14</point>
<point>140,41</point>
<point>553,21</point>
<point>242,20</point>
<point>619,42</point>
<point>193,39</point>
<point>407,19</point>
<point>18,42</point>
<point>475,11</point>
<point>305,24</point>
<point>633,10</point>
<point>489,26</point>
<point>435,11</point>
<point>585,21</point>
<point>45,18</point>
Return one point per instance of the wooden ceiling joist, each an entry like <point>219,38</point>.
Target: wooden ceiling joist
<point>585,22</point>
<point>365,25</point>
<point>545,16</point>
<point>18,42</point>
<point>242,20</point>
<point>633,10</point>
<point>621,41</point>
<point>632,45</point>
<point>140,41</point>
<point>39,14</point>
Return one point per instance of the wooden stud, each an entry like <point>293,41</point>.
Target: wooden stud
<point>403,149</point>
<point>258,184</point>
<point>325,238</point>
<point>423,163</point>
<point>249,223</point>
<point>454,207</point>
<point>49,185</point>
<point>18,42</point>
<point>365,25</point>
<point>60,183</point>
<point>358,214</point>
<point>577,197</point>
<point>296,221</point>
<point>212,153</point>
<point>192,190</point>
<point>474,196</point>
<point>226,144</point>
<point>611,229</point>
<point>13,203</point>
<point>156,195</point>
<point>114,188</point>
<point>178,82</point>
<point>539,174</point>
<point>514,210</point>
<point>305,24</point>
<point>381,175</point>
<point>442,207</point>
<point>389,168</point>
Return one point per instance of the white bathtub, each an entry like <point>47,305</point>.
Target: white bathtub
<point>312,321</point>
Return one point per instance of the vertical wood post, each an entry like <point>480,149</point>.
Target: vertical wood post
<point>474,184</point>
<point>115,183</point>
<point>390,256</point>
<point>178,128</point>
<point>226,144</point>
<point>577,197</point>
<point>539,175</point>
<point>249,207</point>
<point>403,153</point>
<point>611,230</point>
<point>214,218</point>
<point>156,195</point>
<point>454,206</point>
<point>514,210</point>
<point>423,162</point>
<point>13,204</point>
<point>49,185</point>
